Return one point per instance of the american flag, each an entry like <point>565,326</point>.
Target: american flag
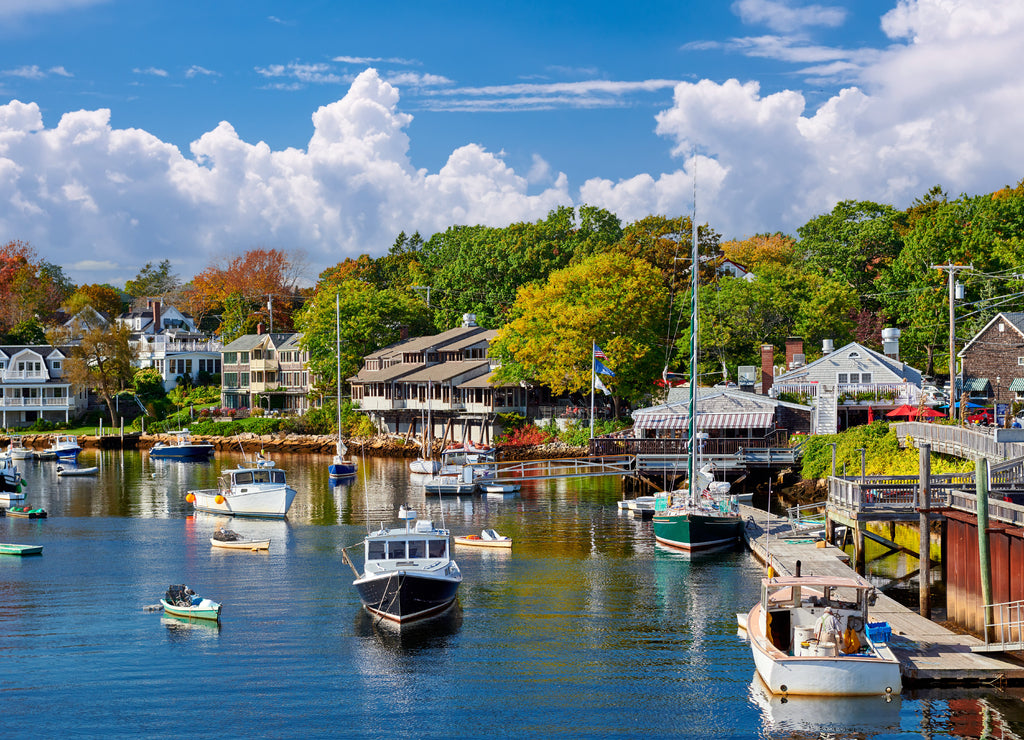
<point>599,353</point>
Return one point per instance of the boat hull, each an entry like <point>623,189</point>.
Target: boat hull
<point>206,609</point>
<point>22,550</point>
<point>696,531</point>
<point>23,512</point>
<point>77,471</point>
<point>241,544</point>
<point>817,675</point>
<point>478,541</point>
<point>405,597</point>
<point>267,503</point>
<point>341,470</point>
<point>181,452</point>
<point>427,467</point>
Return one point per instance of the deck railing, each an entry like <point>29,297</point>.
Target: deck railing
<point>972,443</point>
<point>1004,625</point>
<point>714,446</point>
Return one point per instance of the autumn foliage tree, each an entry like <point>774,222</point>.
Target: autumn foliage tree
<point>264,278</point>
<point>103,298</point>
<point>103,362</point>
<point>30,288</point>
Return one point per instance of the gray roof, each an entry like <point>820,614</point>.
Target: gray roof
<point>443,371</point>
<point>248,341</point>
<point>842,361</point>
<point>388,373</point>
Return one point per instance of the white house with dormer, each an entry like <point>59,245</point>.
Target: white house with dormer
<point>32,386</point>
<point>166,339</point>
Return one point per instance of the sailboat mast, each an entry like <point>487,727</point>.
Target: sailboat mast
<point>692,405</point>
<point>337,353</point>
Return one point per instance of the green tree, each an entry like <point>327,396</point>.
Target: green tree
<point>152,280</point>
<point>854,243</point>
<point>478,269</point>
<point>609,298</point>
<point>103,363</point>
<point>238,318</point>
<point>370,319</point>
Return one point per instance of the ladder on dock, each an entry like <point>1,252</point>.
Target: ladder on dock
<point>1004,628</point>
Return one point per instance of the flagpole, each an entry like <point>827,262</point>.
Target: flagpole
<point>593,374</point>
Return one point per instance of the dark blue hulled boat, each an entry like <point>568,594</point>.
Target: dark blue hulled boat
<point>182,448</point>
<point>408,574</point>
<point>341,466</point>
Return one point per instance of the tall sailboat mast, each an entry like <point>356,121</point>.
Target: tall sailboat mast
<point>694,336</point>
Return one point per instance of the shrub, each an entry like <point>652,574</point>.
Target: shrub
<point>523,436</point>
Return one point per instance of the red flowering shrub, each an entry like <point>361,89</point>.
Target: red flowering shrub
<point>523,436</point>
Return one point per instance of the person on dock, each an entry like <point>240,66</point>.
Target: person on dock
<point>828,630</point>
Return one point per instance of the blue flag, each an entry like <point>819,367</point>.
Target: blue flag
<point>599,368</point>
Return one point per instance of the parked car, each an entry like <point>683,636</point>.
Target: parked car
<point>982,416</point>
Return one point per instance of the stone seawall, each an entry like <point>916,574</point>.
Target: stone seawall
<point>380,446</point>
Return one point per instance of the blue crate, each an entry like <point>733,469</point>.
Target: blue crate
<point>879,631</point>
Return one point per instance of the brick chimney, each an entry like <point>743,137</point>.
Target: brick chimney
<point>403,331</point>
<point>259,328</point>
<point>767,368</point>
<point>794,352</point>
<point>157,326</point>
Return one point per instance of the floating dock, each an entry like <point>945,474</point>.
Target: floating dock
<point>929,654</point>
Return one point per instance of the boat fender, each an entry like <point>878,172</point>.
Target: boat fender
<point>219,499</point>
<point>191,497</point>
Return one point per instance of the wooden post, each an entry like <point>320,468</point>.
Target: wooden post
<point>860,542</point>
<point>924,488</point>
<point>984,561</point>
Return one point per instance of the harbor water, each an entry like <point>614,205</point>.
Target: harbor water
<point>584,629</point>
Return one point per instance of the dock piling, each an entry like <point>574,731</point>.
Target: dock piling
<point>924,547</point>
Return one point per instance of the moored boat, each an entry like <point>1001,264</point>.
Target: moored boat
<point>10,477</point>
<point>63,470</point>
<point>182,447</point>
<point>451,485</point>
<point>18,450</point>
<point>408,573</point>
<point>810,636</point>
<point>228,540</point>
<point>25,512</point>
<point>181,601</point>
<point>342,466</point>
<point>486,538</point>
<point>65,446</point>
<point>9,548</point>
<point>256,489</point>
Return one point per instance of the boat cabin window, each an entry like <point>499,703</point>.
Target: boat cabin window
<point>277,476</point>
<point>396,550</point>
<point>242,479</point>
<point>438,548</point>
<point>375,550</point>
<point>417,549</point>
<point>261,476</point>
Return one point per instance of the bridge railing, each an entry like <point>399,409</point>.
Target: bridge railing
<point>968,442</point>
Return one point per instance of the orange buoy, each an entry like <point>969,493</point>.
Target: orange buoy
<point>219,499</point>
<point>190,498</point>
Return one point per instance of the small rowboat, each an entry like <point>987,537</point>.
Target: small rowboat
<point>233,541</point>
<point>499,487</point>
<point>61,470</point>
<point>487,538</point>
<point>241,544</point>
<point>25,512</point>
<point>12,549</point>
<point>181,601</point>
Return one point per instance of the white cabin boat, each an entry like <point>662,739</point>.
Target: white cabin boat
<point>18,450</point>
<point>257,489</point>
<point>408,573</point>
<point>794,657</point>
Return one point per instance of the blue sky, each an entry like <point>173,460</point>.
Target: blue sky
<point>133,130</point>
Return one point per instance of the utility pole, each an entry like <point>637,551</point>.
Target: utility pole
<point>952,332</point>
<point>270,310</point>
<point>423,287</point>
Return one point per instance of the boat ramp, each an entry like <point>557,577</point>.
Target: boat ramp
<point>929,654</point>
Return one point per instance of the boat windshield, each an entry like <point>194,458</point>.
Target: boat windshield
<point>438,548</point>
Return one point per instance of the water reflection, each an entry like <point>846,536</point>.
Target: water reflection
<point>182,629</point>
<point>430,634</point>
<point>817,716</point>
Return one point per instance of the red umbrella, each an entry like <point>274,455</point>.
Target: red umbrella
<point>928,413</point>
<point>904,410</point>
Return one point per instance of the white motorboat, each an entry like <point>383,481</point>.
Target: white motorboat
<point>255,489</point>
<point>794,655</point>
<point>65,446</point>
<point>495,487</point>
<point>425,466</point>
<point>18,450</point>
<point>228,540</point>
<point>452,485</point>
<point>408,573</point>
<point>10,478</point>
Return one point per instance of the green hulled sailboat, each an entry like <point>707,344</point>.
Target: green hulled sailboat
<point>703,515</point>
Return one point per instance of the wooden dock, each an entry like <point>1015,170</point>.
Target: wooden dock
<point>928,652</point>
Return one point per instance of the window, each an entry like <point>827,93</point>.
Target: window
<point>1020,361</point>
<point>438,548</point>
<point>375,550</point>
<point>396,550</point>
<point>417,549</point>
<point>56,365</point>
<point>865,377</point>
<point>230,358</point>
<point>843,378</point>
<point>242,479</point>
<point>243,380</point>
<point>230,380</point>
<point>243,357</point>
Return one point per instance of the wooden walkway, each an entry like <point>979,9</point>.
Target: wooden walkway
<point>928,652</point>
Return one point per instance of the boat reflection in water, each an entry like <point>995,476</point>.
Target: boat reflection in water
<point>180,629</point>
<point>821,716</point>
<point>431,634</point>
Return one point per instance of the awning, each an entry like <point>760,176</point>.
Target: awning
<point>752,420</point>
<point>1017,385</point>
<point>973,385</point>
